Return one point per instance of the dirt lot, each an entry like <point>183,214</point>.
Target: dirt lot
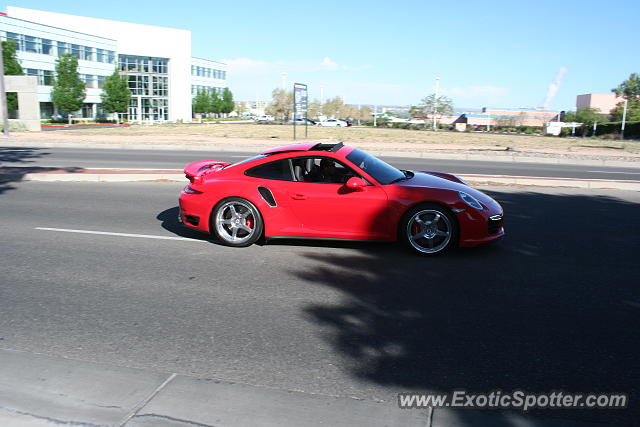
<point>245,135</point>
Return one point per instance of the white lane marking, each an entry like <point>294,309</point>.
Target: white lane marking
<point>107,233</point>
<point>624,173</point>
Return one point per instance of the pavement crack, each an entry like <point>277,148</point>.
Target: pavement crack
<point>52,420</point>
<point>142,404</point>
<point>180,420</point>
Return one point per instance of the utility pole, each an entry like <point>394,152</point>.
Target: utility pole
<point>624,119</point>
<point>375,115</point>
<point>435,102</point>
<point>4,110</point>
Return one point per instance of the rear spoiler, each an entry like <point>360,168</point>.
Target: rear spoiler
<point>195,171</point>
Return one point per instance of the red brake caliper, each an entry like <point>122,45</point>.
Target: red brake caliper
<point>249,222</point>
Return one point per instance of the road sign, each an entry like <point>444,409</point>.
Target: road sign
<point>300,106</point>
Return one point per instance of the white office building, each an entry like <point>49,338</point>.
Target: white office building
<point>157,61</point>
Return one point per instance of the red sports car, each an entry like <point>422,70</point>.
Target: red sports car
<point>332,191</point>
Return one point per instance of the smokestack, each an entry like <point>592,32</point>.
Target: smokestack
<point>554,87</point>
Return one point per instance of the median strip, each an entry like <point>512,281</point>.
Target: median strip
<point>44,174</point>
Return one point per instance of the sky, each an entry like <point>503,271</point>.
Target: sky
<point>497,53</point>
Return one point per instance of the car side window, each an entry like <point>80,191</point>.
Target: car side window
<point>278,169</point>
<point>321,170</point>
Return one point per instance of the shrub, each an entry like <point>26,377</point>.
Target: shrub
<point>631,129</point>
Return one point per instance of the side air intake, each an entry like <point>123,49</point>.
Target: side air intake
<point>267,196</point>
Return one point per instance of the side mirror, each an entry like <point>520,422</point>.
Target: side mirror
<point>356,183</point>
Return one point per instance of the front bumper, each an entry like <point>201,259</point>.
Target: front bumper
<point>479,227</point>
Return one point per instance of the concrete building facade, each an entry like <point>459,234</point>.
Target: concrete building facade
<point>605,102</point>
<point>156,60</point>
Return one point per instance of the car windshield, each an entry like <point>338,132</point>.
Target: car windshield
<point>382,172</point>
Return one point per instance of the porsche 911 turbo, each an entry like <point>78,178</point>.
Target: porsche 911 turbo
<point>333,191</point>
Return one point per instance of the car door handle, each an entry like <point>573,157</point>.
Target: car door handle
<point>298,196</point>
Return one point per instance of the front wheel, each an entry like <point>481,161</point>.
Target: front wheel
<point>236,222</point>
<point>429,229</point>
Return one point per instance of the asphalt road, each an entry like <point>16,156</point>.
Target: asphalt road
<point>163,159</point>
<point>554,306</point>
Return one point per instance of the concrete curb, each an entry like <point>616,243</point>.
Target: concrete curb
<point>507,158</point>
<point>115,175</point>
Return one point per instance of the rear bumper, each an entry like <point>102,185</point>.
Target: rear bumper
<point>191,212</point>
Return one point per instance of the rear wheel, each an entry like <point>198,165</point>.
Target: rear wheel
<point>236,222</point>
<point>429,229</point>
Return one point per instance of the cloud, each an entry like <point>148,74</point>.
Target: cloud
<point>554,87</point>
<point>329,64</point>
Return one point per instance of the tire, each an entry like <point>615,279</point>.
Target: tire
<point>236,222</point>
<point>418,232</point>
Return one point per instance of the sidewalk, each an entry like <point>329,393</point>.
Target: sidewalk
<point>431,151</point>
<point>21,173</point>
<point>38,390</point>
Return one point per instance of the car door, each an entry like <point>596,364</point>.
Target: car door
<point>328,208</point>
<point>272,180</point>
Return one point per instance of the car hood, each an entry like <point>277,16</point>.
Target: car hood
<point>424,180</point>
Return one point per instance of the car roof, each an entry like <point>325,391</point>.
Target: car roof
<point>309,146</point>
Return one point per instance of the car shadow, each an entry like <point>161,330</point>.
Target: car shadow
<point>169,221</point>
<point>554,306</point>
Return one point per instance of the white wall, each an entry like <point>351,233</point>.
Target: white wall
<point>134,39</point>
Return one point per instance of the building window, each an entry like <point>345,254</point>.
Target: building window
<point>86,53</point>
<point>47,78</point>
<point>17,38</point>
<point>47,47</point>
<point>87,110</point>
<point>88,80</point>
<point>63,48</point>
<point>31,44</point>
<point>101,81</point>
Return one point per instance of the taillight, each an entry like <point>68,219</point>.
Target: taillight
<point>190,190</point>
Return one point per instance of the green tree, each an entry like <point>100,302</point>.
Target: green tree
<point>226,104</point>
<point>333,107</point>
<point>11,68</point>
<point>431,105</point>
<point>630,90</point>
<point>215,102</point>
<point>241,107</point>
<point>315,109</point>
<point>68,90</point>
<point>281,104</point>
<point>586,116</point>
<point>201,102</point>
<point>633,112</point>
<point>116,94</point>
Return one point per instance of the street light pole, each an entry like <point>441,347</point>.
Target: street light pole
<point>435,102</point>
<point>4,110</point>
<point>624,119</point>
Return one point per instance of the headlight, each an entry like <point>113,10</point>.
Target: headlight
<point>470,200</point>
